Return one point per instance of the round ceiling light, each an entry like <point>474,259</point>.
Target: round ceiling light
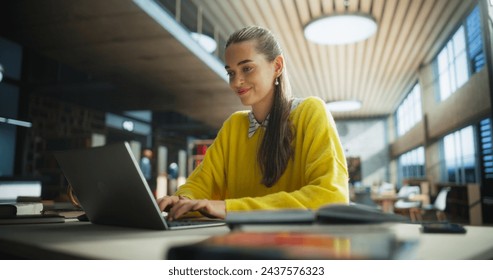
<point>340,29</point>
<point>205,41</point>
<point>344,105</point>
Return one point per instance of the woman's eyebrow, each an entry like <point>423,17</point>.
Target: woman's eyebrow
<point>240,63</point>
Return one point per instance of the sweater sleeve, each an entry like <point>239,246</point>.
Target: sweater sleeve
<point>322,158</point>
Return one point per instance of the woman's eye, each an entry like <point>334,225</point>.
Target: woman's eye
<point>230,74</point>
<point>247,69</point>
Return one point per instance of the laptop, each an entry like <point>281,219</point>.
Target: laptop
<point>112,190</point>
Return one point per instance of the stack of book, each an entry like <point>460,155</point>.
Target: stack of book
<point>20,208</point>
<point>26,212</point>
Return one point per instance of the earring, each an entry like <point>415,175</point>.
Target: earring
<point>276,82</point>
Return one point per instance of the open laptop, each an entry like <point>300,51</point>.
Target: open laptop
<point>112,190</point>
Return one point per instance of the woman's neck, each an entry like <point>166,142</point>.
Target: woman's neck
<point>262,109</point>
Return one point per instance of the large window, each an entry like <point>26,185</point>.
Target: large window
<point>409,111</point>
<point>412,164</point>
<point>452,65</point>
<point>461,56</point>
<point>459,153</point>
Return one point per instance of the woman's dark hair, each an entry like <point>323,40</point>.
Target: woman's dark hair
<point>275,150</point>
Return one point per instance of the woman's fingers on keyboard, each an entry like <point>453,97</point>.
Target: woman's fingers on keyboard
<point>166,203</point>
<point>208,208</point>
<point>183,206</point>
<point>179,209</point>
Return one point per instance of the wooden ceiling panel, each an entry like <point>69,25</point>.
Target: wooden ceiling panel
<point>116,40</point>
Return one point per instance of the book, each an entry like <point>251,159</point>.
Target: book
<point>9,210</point>
<point>32,219</point>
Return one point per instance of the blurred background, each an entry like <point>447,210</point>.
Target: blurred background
<point>416,87</point>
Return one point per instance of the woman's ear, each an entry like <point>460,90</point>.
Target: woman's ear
<point>279,65</point>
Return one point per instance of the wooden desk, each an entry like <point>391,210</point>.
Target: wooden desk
<point>387,201</point>
<point>82,240</point>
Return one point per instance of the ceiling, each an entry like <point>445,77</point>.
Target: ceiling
<point>116,41</point>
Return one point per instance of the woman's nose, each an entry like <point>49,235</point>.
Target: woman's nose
<point>237,81</point>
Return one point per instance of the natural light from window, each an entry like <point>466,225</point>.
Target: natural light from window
<point>460,156</point>
<point>412,164</point>
<point>409,112</point>
<point>452,64</point>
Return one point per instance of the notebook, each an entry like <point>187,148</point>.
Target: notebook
<point>112,190</point>
<point>328,214</point>
<point>298,245</point>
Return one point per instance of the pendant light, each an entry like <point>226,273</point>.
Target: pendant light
<point>341,28</point>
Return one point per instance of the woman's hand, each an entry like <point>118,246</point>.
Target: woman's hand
<point>177,206</point>
<point>166,202</point>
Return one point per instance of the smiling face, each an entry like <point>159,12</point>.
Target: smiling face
<point>251,75</point>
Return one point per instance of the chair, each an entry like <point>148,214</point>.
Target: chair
<point>364,197</point>
<point>406,205</point>
<point>439,205</point>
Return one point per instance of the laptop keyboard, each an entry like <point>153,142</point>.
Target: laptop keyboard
<point>192,222</point>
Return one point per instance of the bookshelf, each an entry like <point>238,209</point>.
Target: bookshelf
<point>463,202</point>
<point>56,126</point>
<point>196,152</point>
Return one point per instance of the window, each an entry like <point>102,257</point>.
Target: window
<point>475,40</point>
<point>462,56</point>
<point>409,111</point>
<point>412,164</point>
<point>459,153</point>
<point>486,148</point>
<point>452,65</point>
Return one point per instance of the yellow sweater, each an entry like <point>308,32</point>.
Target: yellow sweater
<point>316,175</point>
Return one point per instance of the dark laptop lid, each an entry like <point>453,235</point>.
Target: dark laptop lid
<point>111,187</point>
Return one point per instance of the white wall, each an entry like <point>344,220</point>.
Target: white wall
<point>367,139</point>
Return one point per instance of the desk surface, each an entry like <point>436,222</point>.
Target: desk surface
<point>83,240</point>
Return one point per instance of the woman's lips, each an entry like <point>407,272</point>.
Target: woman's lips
<point>243,91</point>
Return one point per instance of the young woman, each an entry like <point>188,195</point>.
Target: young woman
<point>284,153</point>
